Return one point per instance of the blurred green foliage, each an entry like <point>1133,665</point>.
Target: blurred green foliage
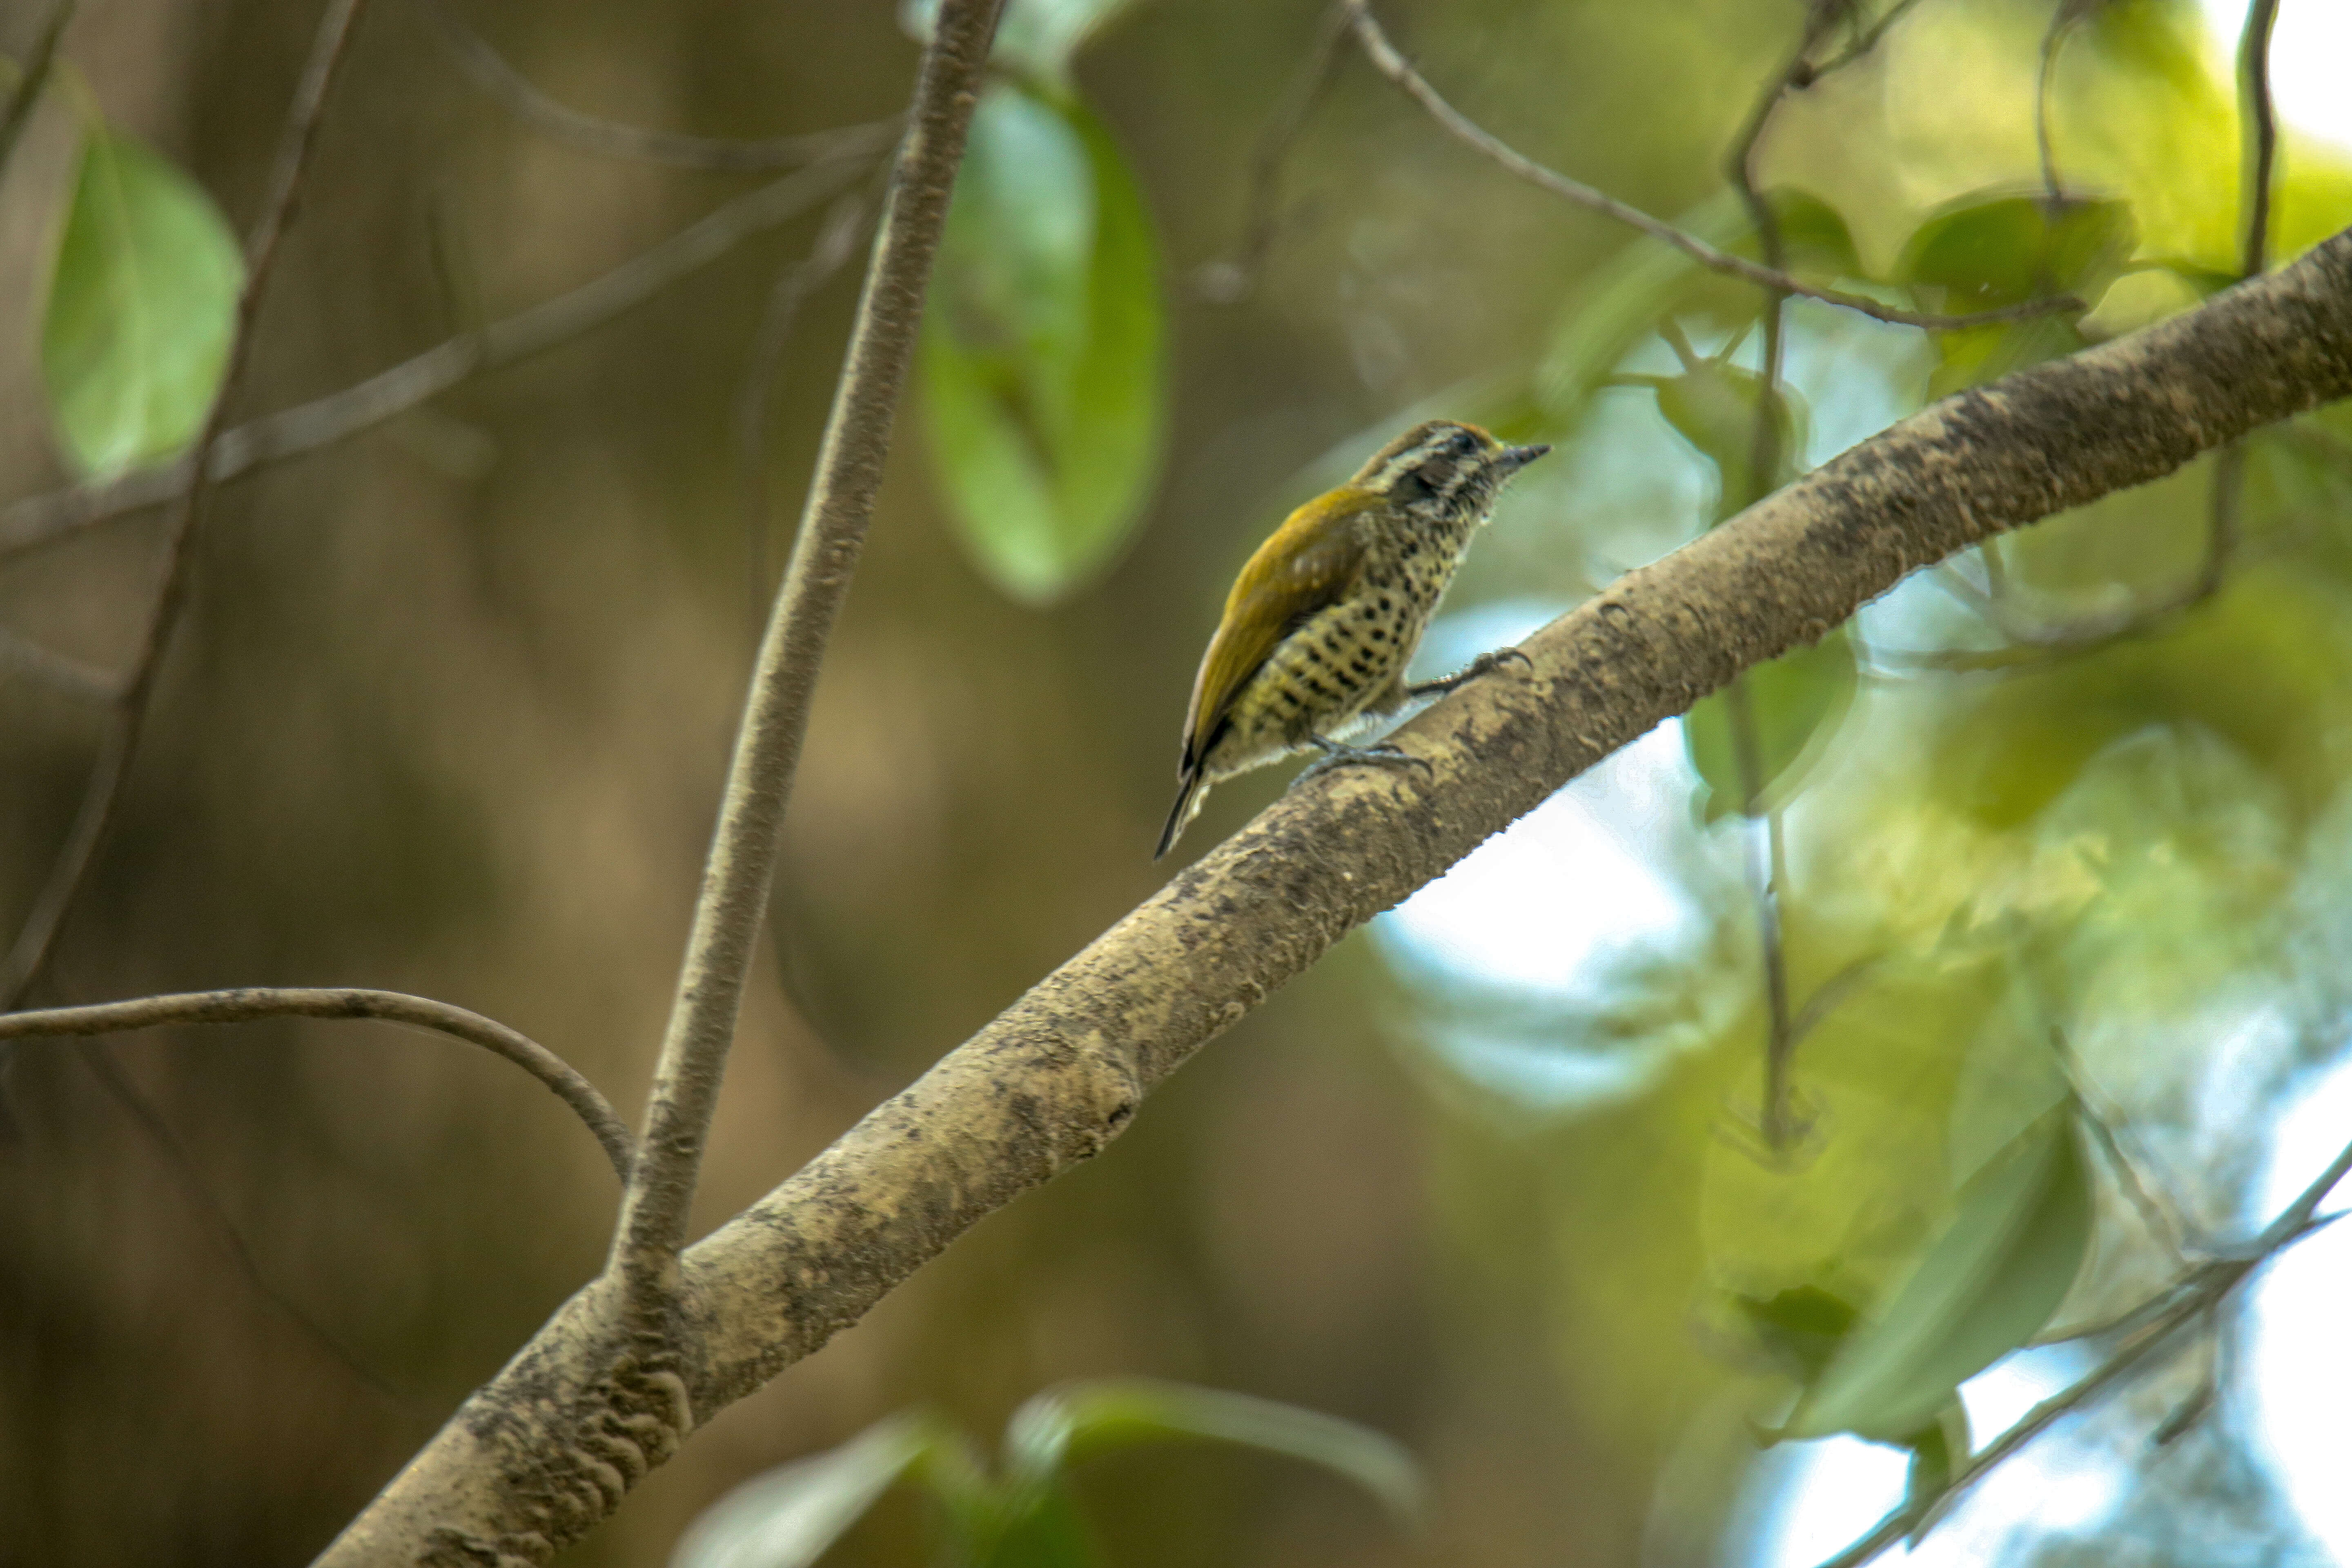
<point>455,702</point>
<point>135,331</point>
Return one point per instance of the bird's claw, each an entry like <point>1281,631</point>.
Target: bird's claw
<point>1382,756</point>
<point>1485,664</point>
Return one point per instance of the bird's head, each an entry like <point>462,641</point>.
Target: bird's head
<point>1445,466</point>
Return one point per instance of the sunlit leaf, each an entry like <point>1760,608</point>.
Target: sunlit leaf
<point>1793,704</point>
<point>791,1515</point>
<point>1982,253</point>
<point>1715,408</point>
<point>1042,351</point>
<point>1815,242</point>
<point>141,300</point>
<point>1035,38</point>
<point>1069,1423</point>
<point>1937,1452</point>
<point>1988,1283</point>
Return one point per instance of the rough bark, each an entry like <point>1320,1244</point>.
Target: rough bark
<point>537,1455</point>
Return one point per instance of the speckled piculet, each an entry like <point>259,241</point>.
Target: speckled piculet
<point>1322,621</point>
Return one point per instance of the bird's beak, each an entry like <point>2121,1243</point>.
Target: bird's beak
<point>1520,456</point>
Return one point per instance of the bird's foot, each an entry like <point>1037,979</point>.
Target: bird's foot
<point>1335,755</point>
<point>1485,664</point>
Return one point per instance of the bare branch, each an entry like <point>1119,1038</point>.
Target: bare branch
<point>836,242</point>
<point>22,656</point>
<point>1226,283</point>
<point>741,866</point>
<point>43,519</point>
<point>34,80</point>
<point>103,793</point>
<point>2194,1295</point>
<point>1393,66</point>
<point>523,1466</point>
<point>2031,646</point>
<point>488,71</point>
<point>1863,44</point>
<point>2260,132</point>
<point>246,1003</point>
<point>191,1183</point>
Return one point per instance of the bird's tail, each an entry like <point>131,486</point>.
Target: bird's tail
<point>1192,790</point>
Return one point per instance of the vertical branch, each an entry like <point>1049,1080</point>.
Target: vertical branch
<point>30,85</point>
<point>1764,460</point>
<point>2053,39</point>
<point>743,852</point>
<point>102,797</point>
<point>2258,135</point>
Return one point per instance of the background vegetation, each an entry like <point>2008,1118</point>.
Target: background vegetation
<point>450,708</point>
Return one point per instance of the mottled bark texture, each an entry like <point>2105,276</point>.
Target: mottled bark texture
<point>537,1455</point>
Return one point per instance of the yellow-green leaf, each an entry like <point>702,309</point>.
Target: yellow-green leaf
<point>143,296</point>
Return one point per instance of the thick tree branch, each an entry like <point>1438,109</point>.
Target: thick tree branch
<point>41,519</point>
<point>538,1454</point>
<point>245,1004</point>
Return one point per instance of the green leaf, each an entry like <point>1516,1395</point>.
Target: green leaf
<point>791,1515</point>
<point>1043,1529</point>
<point>1815,242</point>
<point>1987,1285</point>
<point>1713,405</point>
<point>1981,253</point>
<point>1042,351</point>
<point>1037,39</point>
<point>1800,1328</point>
<point>1793,702</point>
<point>142,298</point>
<point>1937,1452</point>
<point>1067,1423</point>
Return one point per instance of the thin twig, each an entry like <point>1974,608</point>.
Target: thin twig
<point>42,519</point>
<point>2197,1293</point>
<point>1226,283</point>
<point>1747,755</point>
<point>1863,44</point>
<point>1393,66</point>
<point>191,1182</point>
<point>2259,127</point>
<point>2031,646</point>
<point>34,79</point>
<point>22,656</point>
<point>741,866</point>
<point>103,793</point>
<point>488,71</point>
<point>246,1003</point>
<point>836,242</point>
<point>2053,39</point>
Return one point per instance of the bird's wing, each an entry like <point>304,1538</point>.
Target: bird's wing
<point>1305,565</point>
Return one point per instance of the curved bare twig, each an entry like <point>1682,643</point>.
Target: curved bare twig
<point>488,71</point>
<point>245,1004</point>
<point>1392,65</point>
<point>103,793</point>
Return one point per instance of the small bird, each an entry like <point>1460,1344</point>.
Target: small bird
<point>1322,621</point>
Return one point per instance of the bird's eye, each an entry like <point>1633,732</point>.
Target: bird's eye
<point>1463,444</point>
